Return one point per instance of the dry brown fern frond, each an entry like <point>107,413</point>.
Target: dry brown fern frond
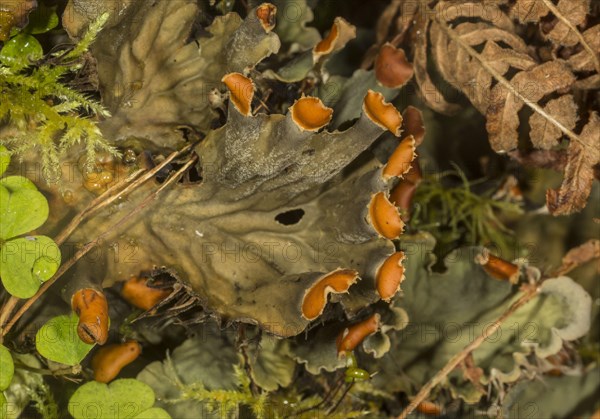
<point>559,23</point>
<point>579,172</point>
<point>478,47</point>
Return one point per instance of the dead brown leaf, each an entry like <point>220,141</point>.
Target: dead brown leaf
<point>478,50</point>
<point>503,114</point>
<point>562,25</point>
<point>529,10</point>
<point>573,12</point>
<point>583,61</point>
<point>579,172</point>
<point>545,135</point>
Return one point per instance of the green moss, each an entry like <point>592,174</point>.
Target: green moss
<point>456,216</point>
<point>43,401</point>
<point>39,110</point>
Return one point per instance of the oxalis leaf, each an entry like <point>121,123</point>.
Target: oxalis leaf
<point>20,51</point>
<point>4,159</point>
<point>572,194</point>
<point>26,263</point>
<point>22,207</point>
<point>7,368</point>
<point>24,384</point>
<point>122,399</point>
<point>58,341</point>
<point>3,405</point>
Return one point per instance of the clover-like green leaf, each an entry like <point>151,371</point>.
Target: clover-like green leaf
<point>22,207</point>
<point>4,159</point>
<point>58,341</point>
<point>123,399</point>
<point>153,413</point>
<point>19,51</point>
<point>25,383</point>
<point>25,263</point>
<point>7,368</point>
<point>44,268</point>
<point>3,405</point>
<point>15,183</point>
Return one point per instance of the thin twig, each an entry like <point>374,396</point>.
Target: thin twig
<point>110,196</point>
<point>467,350</point>
<point>329,396</point>
<point>63,268</point>
<point>502,80</point>
<point>459,357</point>
<point>95,205</point>
<point>92,207</point>
<point>89,246</point>
<point>573,28</point>
<point>75,370</point>
<point>342,397</point>
<point>7,310</point>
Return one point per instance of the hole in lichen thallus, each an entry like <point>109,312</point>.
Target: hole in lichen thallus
<point>291,217</point>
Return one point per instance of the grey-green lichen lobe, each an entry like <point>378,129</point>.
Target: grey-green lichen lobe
<point>223,236</point>
<point>153,78</point>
